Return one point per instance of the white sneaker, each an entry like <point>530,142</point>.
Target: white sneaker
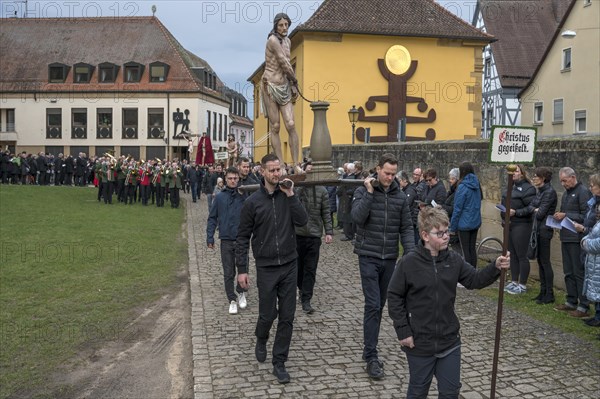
<point>242,300</point>
<point>233,307</point>
<point>510,286</point>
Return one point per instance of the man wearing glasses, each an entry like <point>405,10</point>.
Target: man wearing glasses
<point>435,192</point>
<point>383,220</point>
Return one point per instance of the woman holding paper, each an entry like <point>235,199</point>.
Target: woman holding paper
<point>544,204</point>
<point>520,229</point>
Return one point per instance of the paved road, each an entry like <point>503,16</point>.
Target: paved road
<point>536,361</point>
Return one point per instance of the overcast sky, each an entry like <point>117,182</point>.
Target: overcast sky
<point>229,35</point>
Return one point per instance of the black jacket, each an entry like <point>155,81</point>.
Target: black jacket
<point>448,204</point>
<point>411,196</point>
<point>382,220</point>
<point>574,204</point>
<point>436,193</point>
<point>315,201</point>
<point>80,165</point>
<point>69,163</point>
<point>421,298</point>
<point>522,195</point>
<point>269,219</point>
<point>545,201</point>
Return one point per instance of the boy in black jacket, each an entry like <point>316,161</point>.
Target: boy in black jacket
<point>269,217</point>
<point>421,299</point>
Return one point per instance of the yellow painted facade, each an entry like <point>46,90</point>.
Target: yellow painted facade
<point>342,69</point>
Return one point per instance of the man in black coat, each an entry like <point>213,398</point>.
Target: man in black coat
<point>268,219</point>
<point>59,170</point>
<point>4,166</point>
<point>69,166</point>
<point>42,168</point>
<point>435,190</point>
<point>80,169</point>
<point>573,205</point>
<point>383,220</point>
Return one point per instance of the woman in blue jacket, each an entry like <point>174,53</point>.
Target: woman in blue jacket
<point>466,215</point>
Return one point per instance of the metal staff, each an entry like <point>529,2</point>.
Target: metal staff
<point>511,170</point>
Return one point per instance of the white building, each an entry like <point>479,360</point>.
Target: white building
<point>522,30</point>
<point>96,84</point>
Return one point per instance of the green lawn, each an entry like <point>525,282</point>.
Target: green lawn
<point>72,271</point>
<point>524,303</point>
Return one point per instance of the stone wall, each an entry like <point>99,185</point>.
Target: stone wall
<point>582,154</point>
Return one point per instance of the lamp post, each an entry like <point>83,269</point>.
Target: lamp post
<point>243,141</point>
<point>353,117</point>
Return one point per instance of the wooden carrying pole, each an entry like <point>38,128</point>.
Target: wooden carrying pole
<point>306,183</point>
<point>511,170</point>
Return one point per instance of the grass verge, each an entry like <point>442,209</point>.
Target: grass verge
<point>546,313</point>
<point>72,271</point>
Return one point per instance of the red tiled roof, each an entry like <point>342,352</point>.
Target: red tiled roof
<point>240,120</point>
<point>523,29</point>
<point>29,45</point>
<point>413,18</point>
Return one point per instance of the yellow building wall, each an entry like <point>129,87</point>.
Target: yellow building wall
<point>343,70</point>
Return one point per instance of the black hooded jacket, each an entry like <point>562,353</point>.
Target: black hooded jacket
<point>421,298</point>
<point>269,220</point>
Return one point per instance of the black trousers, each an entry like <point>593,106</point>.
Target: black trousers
<point>144,193</point>
<point>121,193</point>
<point>574,272</point>
<point>107,191</point>
<point>100,190</point>
<point>468,243</point>
<point>543,259</point>
<point>518,243</point>
<point>160,195</point>
<point>174,194</point>
<point>68,179</point>
<point>228,261</point>
<point>308,259</point>
<point>349,230</point>
<point>446,370</point>
<point>130,189</point>
<point>277,299</point>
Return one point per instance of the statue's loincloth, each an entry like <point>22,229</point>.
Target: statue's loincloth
<point>281,94</point>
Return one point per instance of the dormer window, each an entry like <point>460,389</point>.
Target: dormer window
<point>107,72</point>
<point>158,71</point>
<point>82,73</point>
<point>57,72</point>
<point>132,72</point>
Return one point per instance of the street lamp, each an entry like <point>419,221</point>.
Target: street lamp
<point>353,117</point>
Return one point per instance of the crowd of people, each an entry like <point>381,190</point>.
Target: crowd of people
<point>387,215</point>
<point>45,169</point>
<point>390,214</point>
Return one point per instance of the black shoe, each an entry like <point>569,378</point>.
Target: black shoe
<point>307,308</point>
<point>261,350</point>
<point>281,373</point>
<point>546,299</point>
<point>592,322</point>
<point>375,369</point>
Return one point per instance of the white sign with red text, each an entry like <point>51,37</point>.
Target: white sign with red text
<point>512,144</point>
